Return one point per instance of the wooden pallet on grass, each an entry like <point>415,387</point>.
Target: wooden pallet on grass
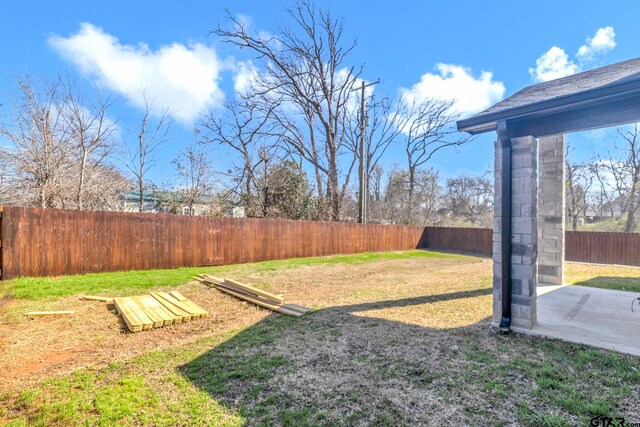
<point>254,295</point>
<point>156,310</point>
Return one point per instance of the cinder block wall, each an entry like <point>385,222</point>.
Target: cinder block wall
<point>551,209</point>
<point>524,237</point>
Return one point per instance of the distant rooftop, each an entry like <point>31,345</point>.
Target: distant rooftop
<point>611,80</point>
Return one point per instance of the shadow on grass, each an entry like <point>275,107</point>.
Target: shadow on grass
<point>406,302</point>
<point>332,367</point>
<point>631,284</point>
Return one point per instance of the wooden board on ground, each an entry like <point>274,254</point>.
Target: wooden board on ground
<point>152,305</point>
<point>248,289</point>
<point>172,308</point>
<point>254,295</point>
<point>50,313</point>
<point>128,309</point>
<point>156,320</point>
<point>193,308</point>
<point>156,310</point>
<point>278,299</point>
<point>108,300</point>
<point>168,301</point>
<point>210,279</point>
<point>296,307</point>
<point>260,301</point>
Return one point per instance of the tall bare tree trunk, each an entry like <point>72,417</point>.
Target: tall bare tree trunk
<point>81,179</point>
<point>410,196</point>
<point>630,224</point>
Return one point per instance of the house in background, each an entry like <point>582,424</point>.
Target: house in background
<point>175,202</point>
<point>130,201</point>
<point>608,210</point>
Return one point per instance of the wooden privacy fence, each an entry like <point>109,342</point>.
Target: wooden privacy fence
<point>51,242</point>
<point>581,246</point>
<point>466,240</point>
<point>603,248</point>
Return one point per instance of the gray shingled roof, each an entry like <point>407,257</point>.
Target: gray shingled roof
<point>592,79</point>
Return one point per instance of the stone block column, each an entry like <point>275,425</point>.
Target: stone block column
<point>524,236</point>
<point>551,210</point>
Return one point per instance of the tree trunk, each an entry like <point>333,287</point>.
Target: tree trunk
<point>412,186</point>
<point>79,194</point>
<point>140,195</point>
<point>630,225</point>
<point>631,215</point>
<point>43,197</point>
<point>333,191</point>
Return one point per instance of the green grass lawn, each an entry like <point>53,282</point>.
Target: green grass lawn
<point>245,378</point>
<point>131,282</point>
<point>128,282</point>
<point>614,277</point>
<point>404,339</point>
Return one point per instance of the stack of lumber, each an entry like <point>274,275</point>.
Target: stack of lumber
<point>256,296</point>
<point>157,309</point>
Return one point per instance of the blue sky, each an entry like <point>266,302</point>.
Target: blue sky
<point>400,42</point>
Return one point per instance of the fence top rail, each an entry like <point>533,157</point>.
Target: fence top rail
<point>198,217</point>
<point>604,233</point>
<point>458,228</point>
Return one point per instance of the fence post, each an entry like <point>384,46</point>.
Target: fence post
<point>1,247</point>
<point>5,243</point>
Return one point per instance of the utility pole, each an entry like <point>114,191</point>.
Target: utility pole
<point>362,194</point>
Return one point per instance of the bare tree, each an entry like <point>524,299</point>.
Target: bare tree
<point>11,191</point>
<point>625,172</point>
<point>427,197</point>
<point>194,174</point>
<point>103,188</point>
<point>306,76</point>
<point>90,131</point>
<point>427,126</point>
<point>605,193</point>
<point>579,179</point>
<point>39,140</point>
<point>142,157</point>
<point>243,128</point>
<point>381,133</point>
<point>376,194</point>
<point>57,150</point>
<point>375,183</point>
<point>470,198</point>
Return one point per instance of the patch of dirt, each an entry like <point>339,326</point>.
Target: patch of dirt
<point>49,360</point>
<point>32,349</point>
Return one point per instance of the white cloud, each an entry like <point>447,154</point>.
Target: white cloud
<point>454,82</point>
<point>603,41</point>
<point>245,74</point>
<point>555,63</point>
<point>182,79</point>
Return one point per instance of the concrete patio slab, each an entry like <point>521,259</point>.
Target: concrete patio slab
<point>597,317</point>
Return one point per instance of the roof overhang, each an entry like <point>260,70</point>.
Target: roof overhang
<point>611,105</point>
